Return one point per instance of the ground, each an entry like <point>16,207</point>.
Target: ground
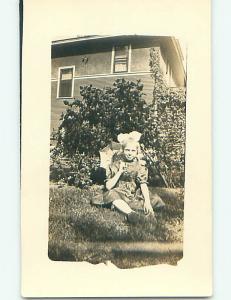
<point>81,232</point>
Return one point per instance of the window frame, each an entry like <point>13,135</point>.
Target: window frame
<point>113,62</point>
<point>59,78</point>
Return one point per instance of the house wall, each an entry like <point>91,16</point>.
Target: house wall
<point>100,62</point>
<point>140,59</point>
<point>166,69</point>
<point>57,107</point>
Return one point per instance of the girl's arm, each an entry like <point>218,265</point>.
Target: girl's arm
<point>147,204</point>
<point>112,181</point>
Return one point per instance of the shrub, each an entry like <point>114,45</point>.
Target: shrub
<point>170,120</point>
<point>92,123</point>
<point>78,171</point>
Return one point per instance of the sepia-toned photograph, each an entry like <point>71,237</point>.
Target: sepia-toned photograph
<point>116,175</point>
<point>117,149</point>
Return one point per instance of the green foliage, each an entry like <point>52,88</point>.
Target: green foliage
<point>170,120</point>
<point>160,89</point>
<point>90,124</point>
<point>171,137</point>
<point>77,171</point>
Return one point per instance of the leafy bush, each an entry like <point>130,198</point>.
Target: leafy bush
<point>92,123</point>
<point>170,120</point>
<point>171,137</point>
<point>78,171</point>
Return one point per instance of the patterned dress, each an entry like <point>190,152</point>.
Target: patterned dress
<point>127,187</point>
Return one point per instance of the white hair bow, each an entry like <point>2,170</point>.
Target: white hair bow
<point>123,137</point>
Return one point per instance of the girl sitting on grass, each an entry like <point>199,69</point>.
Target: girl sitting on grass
<point>124,177</point>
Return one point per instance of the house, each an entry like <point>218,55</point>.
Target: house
<point>100,60</point>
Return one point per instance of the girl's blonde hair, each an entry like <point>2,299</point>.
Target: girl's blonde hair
<point>133,137</point>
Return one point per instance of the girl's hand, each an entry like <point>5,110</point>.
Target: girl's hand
<point>148,208</point>
<point>122,167</point>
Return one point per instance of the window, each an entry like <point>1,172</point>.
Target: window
<point>121,55</point>
<point>65,85</point>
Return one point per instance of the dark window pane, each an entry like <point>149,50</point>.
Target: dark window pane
<point>121,51</point>
<point>65,88</point>
<point>65,84</point>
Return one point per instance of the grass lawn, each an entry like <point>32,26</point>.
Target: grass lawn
<point>81,232</point>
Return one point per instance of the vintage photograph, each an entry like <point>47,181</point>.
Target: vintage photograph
<point>116,175</point>
<point>117,149</point>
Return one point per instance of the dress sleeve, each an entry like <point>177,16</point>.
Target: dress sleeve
<point>142,176</point>
<point>112,170</point>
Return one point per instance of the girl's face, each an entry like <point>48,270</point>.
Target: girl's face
<point>130,151</point>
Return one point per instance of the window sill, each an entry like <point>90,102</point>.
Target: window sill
<point>65,98</point>
<point>120,72</point>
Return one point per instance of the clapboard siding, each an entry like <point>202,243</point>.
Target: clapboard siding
<point>97,63</point>
<point>100,62</point>
<point>57,106</point>
<point>140,59</point>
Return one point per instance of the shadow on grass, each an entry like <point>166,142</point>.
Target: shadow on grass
<point>123,254</point>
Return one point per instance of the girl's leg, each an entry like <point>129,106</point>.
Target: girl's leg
<point>132,216</point>
<point>122,206</point>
